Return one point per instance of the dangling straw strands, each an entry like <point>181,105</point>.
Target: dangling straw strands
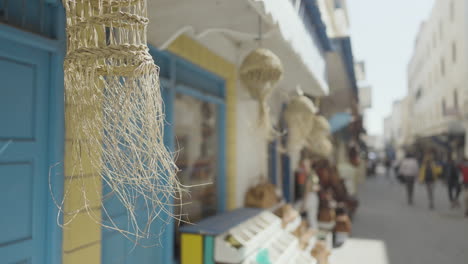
<point>260,72</point>
<point>112,85</point>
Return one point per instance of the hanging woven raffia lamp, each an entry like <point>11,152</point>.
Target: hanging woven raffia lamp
<point>322,125</point>
<point>318,141</point>
<point>112,85</point>
<point>300,118</point>
<point>260,72</point>
<point>320,145</point>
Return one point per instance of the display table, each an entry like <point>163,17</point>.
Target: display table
<point>198,240</point>
<point>245,236</point>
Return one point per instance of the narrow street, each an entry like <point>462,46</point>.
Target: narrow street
<point>387,231</point>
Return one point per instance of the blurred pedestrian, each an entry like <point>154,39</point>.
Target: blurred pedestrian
<point>452,178</point>
<point>464,170</point>
<point>388,167</point>
<point>409,169</point>
<point>428,174</point>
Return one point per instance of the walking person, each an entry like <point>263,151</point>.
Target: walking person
<point>409,169</point>
<point>388,167</point>
<point>452,178</point>
<point>428,174</point>
<point>464,169</point>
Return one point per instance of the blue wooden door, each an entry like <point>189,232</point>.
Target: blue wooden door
<point>119,249</point>
<point>24,91</point>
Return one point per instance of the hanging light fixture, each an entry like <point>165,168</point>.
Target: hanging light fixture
<point>320,145</point>
<point>322,125</point>
<point>318,140</point>
<point>114,101</point>
<point>300,118</point>
<point>260,71</point>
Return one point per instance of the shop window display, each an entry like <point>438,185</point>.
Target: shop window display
<point>197,153</point>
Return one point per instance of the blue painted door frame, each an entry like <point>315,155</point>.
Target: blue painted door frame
<point>43,149</point>
<point>170,76</point>
<point>285,160</point>
<point>273,161</point>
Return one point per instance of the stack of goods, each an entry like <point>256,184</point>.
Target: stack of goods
<point>290,218</point>
<point>262,195</point>
<point>342,228</point>
<point>335,206</point>
<point>326,215</point>
<point>321,252</point>
<point>248,236</point>
<point>305,235</point>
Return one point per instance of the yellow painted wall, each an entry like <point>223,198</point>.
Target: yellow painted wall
<point>81,233</point>
<point>82,195</point>
<point>198,54</point>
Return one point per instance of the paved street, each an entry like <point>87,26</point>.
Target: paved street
<point>387,231</point>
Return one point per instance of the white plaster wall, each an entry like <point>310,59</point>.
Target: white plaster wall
<point>222,46</point>
<point>251,145</point>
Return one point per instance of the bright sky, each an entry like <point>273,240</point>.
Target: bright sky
<point>383,34</point>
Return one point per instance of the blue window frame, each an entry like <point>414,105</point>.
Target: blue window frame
<point>181,76</point>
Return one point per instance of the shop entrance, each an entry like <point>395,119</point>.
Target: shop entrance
<point>199,139</point>
<point>196,139</point>
<point>195,132</point>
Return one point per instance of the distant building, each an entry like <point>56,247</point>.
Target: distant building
<point>437,79</point>
<point>364,87</point>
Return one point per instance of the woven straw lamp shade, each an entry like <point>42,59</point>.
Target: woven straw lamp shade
<point>113,98</point>
<point>260,71</point>
<point>322,125</point>
<point>318,141</point>
<point>320,145</point>
<point>300,118</point>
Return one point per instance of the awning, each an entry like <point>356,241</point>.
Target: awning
<point>339,121</point>
<point>237,22</point>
